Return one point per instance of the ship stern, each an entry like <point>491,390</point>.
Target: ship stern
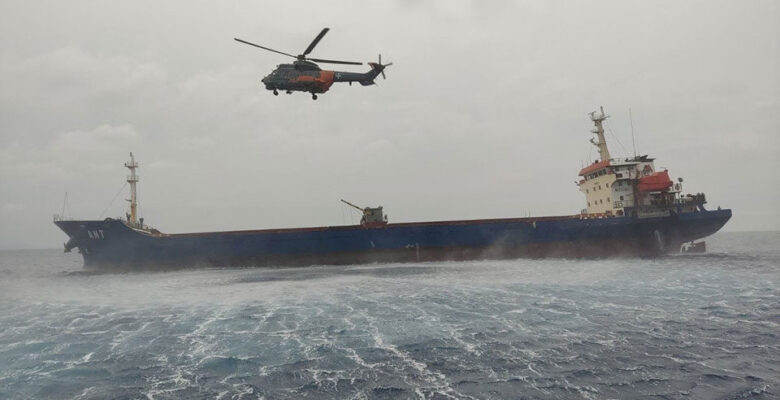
<point>697,225</point>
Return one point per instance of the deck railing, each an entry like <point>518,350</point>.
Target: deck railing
<point>58,217</point>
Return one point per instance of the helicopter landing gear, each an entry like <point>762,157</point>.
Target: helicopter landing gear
<point>276,92</point>
<point>289,92</point>
<point>313,96</point>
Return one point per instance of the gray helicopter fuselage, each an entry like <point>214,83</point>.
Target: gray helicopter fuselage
<point>306,76</point>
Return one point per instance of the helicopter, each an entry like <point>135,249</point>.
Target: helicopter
<point>303,75</point>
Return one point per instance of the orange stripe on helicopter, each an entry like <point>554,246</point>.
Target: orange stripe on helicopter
<point>321,82</point>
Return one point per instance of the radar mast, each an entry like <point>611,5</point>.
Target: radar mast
<point>599,131</point>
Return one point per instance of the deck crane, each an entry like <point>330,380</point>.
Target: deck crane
<point>372,216</point>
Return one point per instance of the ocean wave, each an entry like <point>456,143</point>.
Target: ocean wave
<point>687,326</point>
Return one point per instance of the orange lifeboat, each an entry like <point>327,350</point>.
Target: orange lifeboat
<point>655,182</point>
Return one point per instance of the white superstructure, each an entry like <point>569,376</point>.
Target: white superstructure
<point>621,186</point>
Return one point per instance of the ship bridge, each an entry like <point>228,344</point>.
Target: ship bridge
<point>619,186</point>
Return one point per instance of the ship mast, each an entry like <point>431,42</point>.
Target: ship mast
<point>599,131</point>
<point>132,179</point>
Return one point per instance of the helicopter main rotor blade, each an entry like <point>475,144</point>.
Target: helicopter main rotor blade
<point>264,48</point>
<point>315,41</point>
<point>334,61</point>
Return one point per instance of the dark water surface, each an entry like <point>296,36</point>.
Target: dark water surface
<point>688,327</point>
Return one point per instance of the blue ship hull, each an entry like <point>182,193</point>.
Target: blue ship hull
<point>112,243</point>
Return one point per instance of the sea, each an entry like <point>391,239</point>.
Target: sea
<point>688,326</point>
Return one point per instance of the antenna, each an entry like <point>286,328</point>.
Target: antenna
<point>633,140</point>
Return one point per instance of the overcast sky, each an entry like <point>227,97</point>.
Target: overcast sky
<point>483,114</point>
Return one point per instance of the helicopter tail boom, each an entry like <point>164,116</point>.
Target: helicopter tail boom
<point>367,78</point>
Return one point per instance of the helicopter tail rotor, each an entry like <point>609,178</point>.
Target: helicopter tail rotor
<point>379,68</point>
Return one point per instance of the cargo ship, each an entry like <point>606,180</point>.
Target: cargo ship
<point>632,209</point>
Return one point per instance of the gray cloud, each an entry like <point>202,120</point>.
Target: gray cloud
<point>483,113</point>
